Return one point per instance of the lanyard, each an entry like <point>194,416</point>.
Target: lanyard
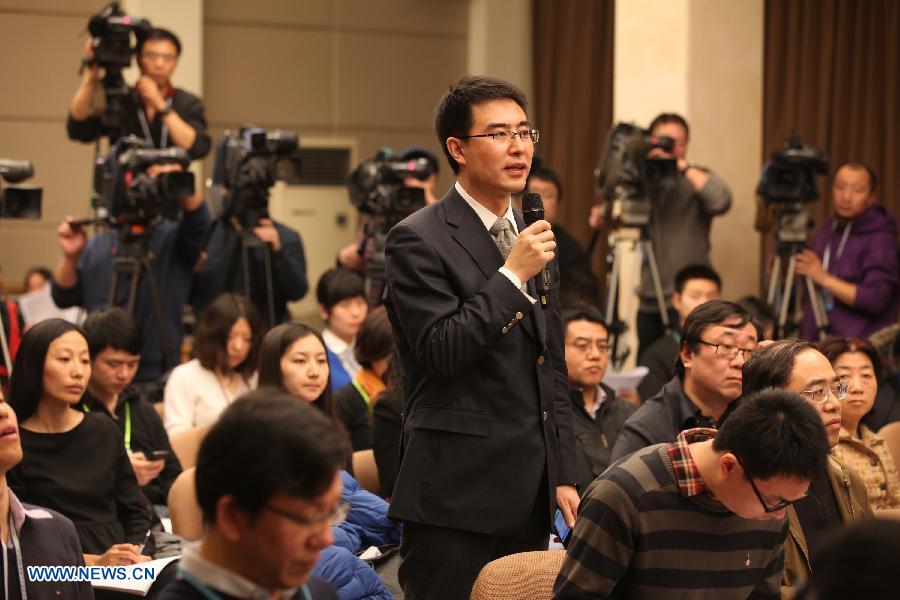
<point>164,134</point>
<point>87,409</point>
<point>362,392</point>
<point>209,594</point>
<point>18,550</point>
<point>826,259</point>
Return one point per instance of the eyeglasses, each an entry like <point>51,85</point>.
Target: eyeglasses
<point>769,509</point>
<point>584,346</point>
<point>818,395</point>
<point>332,518</point>
<point>500,137</point>
<point>151,56</point>
<point>729,351</point>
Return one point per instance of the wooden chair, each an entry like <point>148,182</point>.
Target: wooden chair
<point>366,471</point>
<point>523,575</point>
<point>187,519</point>
<point>891,435</point>
<point>186,445</point>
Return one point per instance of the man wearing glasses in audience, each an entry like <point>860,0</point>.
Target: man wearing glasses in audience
<point>154,109</point>
<point>597,413</point>
<point>716,339</point>
<point>702,517</point>
<point>836,494</point>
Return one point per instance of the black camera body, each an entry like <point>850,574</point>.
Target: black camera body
<point>19,201</point>
<point>788,183</point>
<point>626,173</point>
<point>132,198</point>
<point>376,187</point>
<point>248,163</point>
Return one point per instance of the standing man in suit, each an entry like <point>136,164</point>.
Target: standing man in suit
<point>488,451</point>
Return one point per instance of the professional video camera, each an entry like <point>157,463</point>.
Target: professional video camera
<point>788,183</point>
<point>129,197</point>
<point>19,201</point>
<point>248,163</point>
<point>626,172</point>
<point>377,190</point>
<point>111,31</point>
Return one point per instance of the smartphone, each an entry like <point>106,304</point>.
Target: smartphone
<point>562,529</point>
<point>158,454</point>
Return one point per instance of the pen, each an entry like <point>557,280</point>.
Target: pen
<point>146,539</point>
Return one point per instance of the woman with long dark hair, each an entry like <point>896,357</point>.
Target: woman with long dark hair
<point>74,463</point>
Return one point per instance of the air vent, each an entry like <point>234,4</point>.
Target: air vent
<point>323,166</point>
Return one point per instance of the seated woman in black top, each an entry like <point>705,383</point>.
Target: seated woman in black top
<point>355,401</point>
<point>74,463</point>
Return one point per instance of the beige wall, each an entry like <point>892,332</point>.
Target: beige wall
<point>703,59</point>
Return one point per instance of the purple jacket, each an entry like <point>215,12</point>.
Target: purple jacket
<point>869,260</point>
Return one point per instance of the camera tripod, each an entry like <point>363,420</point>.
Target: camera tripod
<point>781,288</point>
<point>250,242</point>
<point>134,263</point>
<point>617,326</point>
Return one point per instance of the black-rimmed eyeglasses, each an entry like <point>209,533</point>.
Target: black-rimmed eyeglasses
<point>729,351</point>
<point>781,505</point>
<point>332,518</point>
<point>525,135</point>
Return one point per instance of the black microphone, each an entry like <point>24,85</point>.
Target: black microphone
<point>532,212</point>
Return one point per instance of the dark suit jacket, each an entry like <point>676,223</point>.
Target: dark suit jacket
<point>486,408</point>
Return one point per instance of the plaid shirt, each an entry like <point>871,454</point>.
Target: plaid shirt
<point>690,483</point>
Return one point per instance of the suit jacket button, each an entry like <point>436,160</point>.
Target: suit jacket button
<point>541,359</point>
<point>505,329</point>
<point>519,316</point>
<point>546,415</point>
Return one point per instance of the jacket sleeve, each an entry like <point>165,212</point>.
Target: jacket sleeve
<point>179,403</point>
<point>446,335</point>
<point>878,285</point>
<point>193,113</point>
<point>351,576</point>
<point>289,264</point>
<point>715,195</point>
<point>567,469</point>
<point>83,131</point>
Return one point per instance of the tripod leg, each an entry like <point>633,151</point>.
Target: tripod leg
<point>613,290</point>
<point>774,279</point>
<point>657,285</point>
<point>270,297</point>
<point>786,295</point>
<point>819,314</point>
<point>164,340</point>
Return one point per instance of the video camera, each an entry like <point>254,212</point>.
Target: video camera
<point>625,172</point>
<point>19,201</point>
<point>376,187</point>
<point>111,31</point>
<point>377,190</point>
<point>788,183</point>
<point>248,163</point>
<point>129,197</point>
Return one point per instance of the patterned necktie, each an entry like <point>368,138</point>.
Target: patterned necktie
<point>503,236</point>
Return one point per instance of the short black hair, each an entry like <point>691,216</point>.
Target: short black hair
<point>211,337</point>
<point>157,33</point>
<point>696,272</point>
<point>375,339</point>
<point>833,347</point>
<point>714,312</point>
<point>582,312</point>
<point>665,118</point>
<point>547,174</point>
<point>859,560</point>
<point>453,115</point>
<point>771,367</point>
<point>759,309</point>
<point>26,386</point>
<point>112,328</point>
<point>266,443</point>
<point>775,432</point>
<point>338,284</point>
<point>873,179</point>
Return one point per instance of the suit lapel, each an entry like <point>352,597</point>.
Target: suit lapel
<point>469,232</point>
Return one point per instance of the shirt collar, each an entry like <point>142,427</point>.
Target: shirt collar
<point>601,398</point>
<point>223,580</point>
<point>487,217</point>
<point>336,344</point>
<point>687,475</point>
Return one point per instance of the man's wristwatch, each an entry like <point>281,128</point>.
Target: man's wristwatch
<point>165,110</point>
<point>690,165</point>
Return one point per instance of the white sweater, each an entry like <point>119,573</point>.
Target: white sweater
<point>195,397</point>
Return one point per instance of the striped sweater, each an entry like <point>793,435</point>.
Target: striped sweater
<point>638,536</point>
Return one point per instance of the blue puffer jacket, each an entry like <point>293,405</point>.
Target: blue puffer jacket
<point>366,525</point>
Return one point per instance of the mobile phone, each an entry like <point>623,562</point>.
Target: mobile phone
<point>158,454</point>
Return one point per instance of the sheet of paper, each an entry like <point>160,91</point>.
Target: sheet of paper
<point>131,585</point>
<point>627,379</point>
<point>39,305</point>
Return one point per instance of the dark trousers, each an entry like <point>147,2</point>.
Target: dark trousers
<point>439,563</point>
<point>650,327</point>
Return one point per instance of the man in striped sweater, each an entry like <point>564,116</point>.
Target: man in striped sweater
<point>703,517</point>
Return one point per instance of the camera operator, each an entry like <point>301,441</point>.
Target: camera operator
<point>154,109</point>
<point>350,256</point>
<point>682,212</point>
<point>853,259</point>
<point>84,274</point>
